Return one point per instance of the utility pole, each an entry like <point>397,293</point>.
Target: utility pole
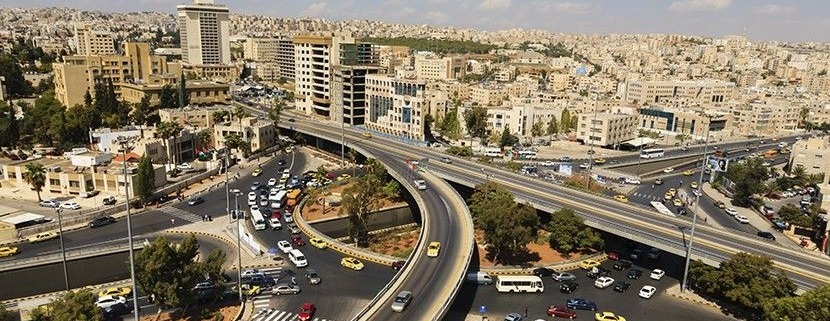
<point>63,248</point>
<point>236,193</point>
<point>124,142</point>
<point>685,283</point>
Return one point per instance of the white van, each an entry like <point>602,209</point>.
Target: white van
<point>421,184</point>
<point>297,258</point>
<point>274,221</point>
<point>479,278</point>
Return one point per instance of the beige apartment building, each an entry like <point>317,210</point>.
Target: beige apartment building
<point>91,42</point>
<point>396,106</point>
<point>765,117</point>
<point>813,154</point>
<point>429,66</point>
<point>223,73</point>
<point>199,117</point>
<point>606,129</point>
<point>707,92</point>
<point>260,133</point>
<point>205,33</point>
<point>520,115</point>
<point>199,92</point>
<point>495,94</point>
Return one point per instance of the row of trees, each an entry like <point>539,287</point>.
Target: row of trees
<point>436,45</point>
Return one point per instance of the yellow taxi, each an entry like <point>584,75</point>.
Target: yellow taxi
<point>352,263</point>
<point>8,251</point>
<point>588,264</point>
<point>433,249</point>
<point>688,172</point>
<point>367,135</point>
<point>677,202</point>
<point>45,236</point>
<point>694,185</point>
<point>343,177</point>
<point>318,243</point>
<point>667,196</point>
<point>673,191</point>
<point>257,172</point>
<point>115,291</point>
<point>608,316</point>
<point>621,198</point>
<point>248,289</point>
<point>600,161</point>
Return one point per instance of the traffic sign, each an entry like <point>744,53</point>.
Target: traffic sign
<point>482,309</point>
<point>718,164</point>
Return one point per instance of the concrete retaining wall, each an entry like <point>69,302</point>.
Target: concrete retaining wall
<point>391,217</point>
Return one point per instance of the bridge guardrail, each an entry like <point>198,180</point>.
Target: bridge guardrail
<point>87,251</point>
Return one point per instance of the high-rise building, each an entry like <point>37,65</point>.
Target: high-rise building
<point>91,42</point>
<point>348,92</point>
<point>204,28</point>
<point>279,51</point>
<point>680,93</point>
<point>397,106</point>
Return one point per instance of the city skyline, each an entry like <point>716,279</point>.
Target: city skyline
<point>768,20</point>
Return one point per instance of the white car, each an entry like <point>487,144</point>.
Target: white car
<point>657,274</point>
<point>742,219</point>
<point>731,211</point>
<point>284,246</point>
<point>547,164</point>
<point>184,167</point>
<point>288,217</point>
<point>263,201</point>
<point>50,203</point>
<point>251,272</point>
<point>109,300</point>
<point>603,282</point>
<point>252,198</point>
<point>668,170</point>
<point>70,206</point>
<point>273,195</point>
<point>647,291</point>
<point>272,182</point>
<point>631,180</point>
<point>584,166</point>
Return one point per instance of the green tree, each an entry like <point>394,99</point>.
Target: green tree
<point>167,97</point>
<point>802,116</point>
<point>747,280</point>
<point>275,112</point>
<point>79,306</point>
<point>240,113</point>
<point>169,130</point>
<point>475,121</point>
<point>507,226</point>
<point>169,271</point>
<point>450,126</point>
<point>429,120</point>
<point>507,138</point>
<point>204,138</point>
<point>793,215</point>
<point>35,175</point>
<point>568,233</point>
<point>181,94</point>
<point>145,179</point>
<point>221,116</point>
<point>320,173</point>
<point>811,305</point>
<point>359,201</point>
<point>9,125</point>
<point>749,180</point>
<point>565,120</point>
<point>537,130</point>
<point>233,141</point>
<point>16,85</point>
<point>553,127</point>
<point>682,138</point>
<point>6,315</point>
<point>392,189</point>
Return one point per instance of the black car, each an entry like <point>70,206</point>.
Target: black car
<point>568,287</point>
<point>581,304</point>
<point>767,235</point>
<point>101,221</point>
<point>622,286</point>
<point>196,201</point>
<point>397,265</point>
<point>116,310</point>
<point>634,273</point>
<point>542,271</point>
<point>622,265</point>
<point>598,272</point>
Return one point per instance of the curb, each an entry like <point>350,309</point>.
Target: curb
<point>563,266</point>
<point>95,286</point>
<point>241,311</point>
<point>227,242</point>
<point>693,300</point>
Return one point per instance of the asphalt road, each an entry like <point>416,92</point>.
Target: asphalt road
<point>698,148</point>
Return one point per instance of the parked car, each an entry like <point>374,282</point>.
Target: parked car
<point>352,263</point>
<point>561,312</point>
<point>597,272</point>
<point>622,265</point>
<point>581,304</point>
<point>196,201</point>
<point>109,200</point>
<point>563,276</point>
<point>41,237</point>
<point>285,288</point>
<point>50,203</point>
<point>101,221</point>
<point>588,264</point>
<point>634,273</point>
<point>603,282</point>
<point>766,235</point>
<point>742,219</point>
<point>647,291</point>
<point>731,211</point>
<point>657,274</point>
<point>607,316</point>
<point>513,316</point>
<point>568,287</point>
<point>115,310</point>
<point>543,271</point>
<point>109,300</point>
<point>622,286</point>
<point>70,206</point>
<point>6,251</point>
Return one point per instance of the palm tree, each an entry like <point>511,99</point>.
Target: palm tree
<point>204,138</point>
<point>220,116</point>
<point>352,154</point>
<point>35,175</point>
<point>167,130</point>
<point>320,173</point>
<point>234,141</point>
<point>274,113</point>
<point>239,112</point>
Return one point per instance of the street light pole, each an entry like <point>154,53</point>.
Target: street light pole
<point>685,284</point>
<point>236,193</point>
<point>121,140</point>
<point>227,183</point>
<point>591,137</point>
<point>63,249</point>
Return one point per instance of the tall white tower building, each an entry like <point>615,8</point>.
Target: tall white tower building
<point>204,28</point>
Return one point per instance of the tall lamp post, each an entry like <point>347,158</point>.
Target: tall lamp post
<point>63,248</point>
<point>685,284</point>
<point>227,182</point>
<point>591,137</point>
<point>124,142</point>
<point>236,194</point>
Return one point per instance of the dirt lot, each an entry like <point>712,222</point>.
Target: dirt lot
<point>537,254</point>
<point>227,311</point>
<point>313,210</point>
<point>397,243</point>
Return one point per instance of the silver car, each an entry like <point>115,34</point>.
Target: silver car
<point>401,301</point>
<point>285,288</point>
<point>564,276</point>
<point>312,276</point>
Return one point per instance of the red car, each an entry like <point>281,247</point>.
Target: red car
<point>276,215</point>
<point>562,312</point>
<point>307,311</point>
<point>397,265</point>
<point>613,255</point>
<point>297,240</point>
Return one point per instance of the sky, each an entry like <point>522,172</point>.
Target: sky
<point>782,20</point>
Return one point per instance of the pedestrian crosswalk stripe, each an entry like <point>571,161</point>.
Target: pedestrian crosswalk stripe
<point>181,214</point>
<point>277,315</point>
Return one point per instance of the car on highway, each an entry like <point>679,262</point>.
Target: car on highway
<point>742,219</point>
<point>568,287</point>
<point>288,217</point>
<point>312,276</point>
<point>367,135</point>
<point>294,229</point>
<point>251,273</point>
<point>584,165</point>
<point>563,276</point>
<point>256,185</point>
<point>561,312</point>
<point>565,159</point>
<point>603,282</point>
<point>672,191</point>
<point>284,246</point>
<point>116,291</point>
<point>401,301</point>
<point>621,198</point>
<point>109,300</point>
<point>600,161</point>
<point>657,274</point>
<point>433,249</point>
<point>607,316</point>
<point>668,170</point>
<point>285,288</point>
<point>446,160</point>
<point>658,181</point>
<point>6,251</point>
<point>720,204</point>
<point>547,163</point>
<point>397,265</point>
<point>45,236</point>
<point>513,316</point>
<point>588,264</point>
<point>297,240</point>
<point>50,203</point>
<point>632,181</point>
<point>767,235</point>
<point>272,182</point>
<point>318,243</point>
<point>196,201</point>
<point>693,185</point>
<point>248,290</point>
<point>101,221</point>
<point>731,211</point>
<point>580,304</point>
<point>543,271</point>
<point>634,273</point>
<point>647,291</point>
<point>352,263</point>
<point>256,173</point>
<point>667,196</point>
<point>70,206</point>
<point>622,286</point>
<point>306,312</point>
<point>688,172</point>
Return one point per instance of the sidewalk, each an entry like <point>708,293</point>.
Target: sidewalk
<point>703,217</point>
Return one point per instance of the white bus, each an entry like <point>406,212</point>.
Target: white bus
<point>519,283</point>
<point>527,154</point>
<point>257,219</point>
<point>493,152</point>
<point>652,153</point>
<point>279,200</point>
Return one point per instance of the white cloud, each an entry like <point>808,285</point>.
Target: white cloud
<point>699,5</point>
<point>774,9</point>
<point>574,7</point>
<point>315,10</point>
<point>436,17</point>
<point>494,4</point>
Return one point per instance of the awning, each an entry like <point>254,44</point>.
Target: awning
<point>640,141</point>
